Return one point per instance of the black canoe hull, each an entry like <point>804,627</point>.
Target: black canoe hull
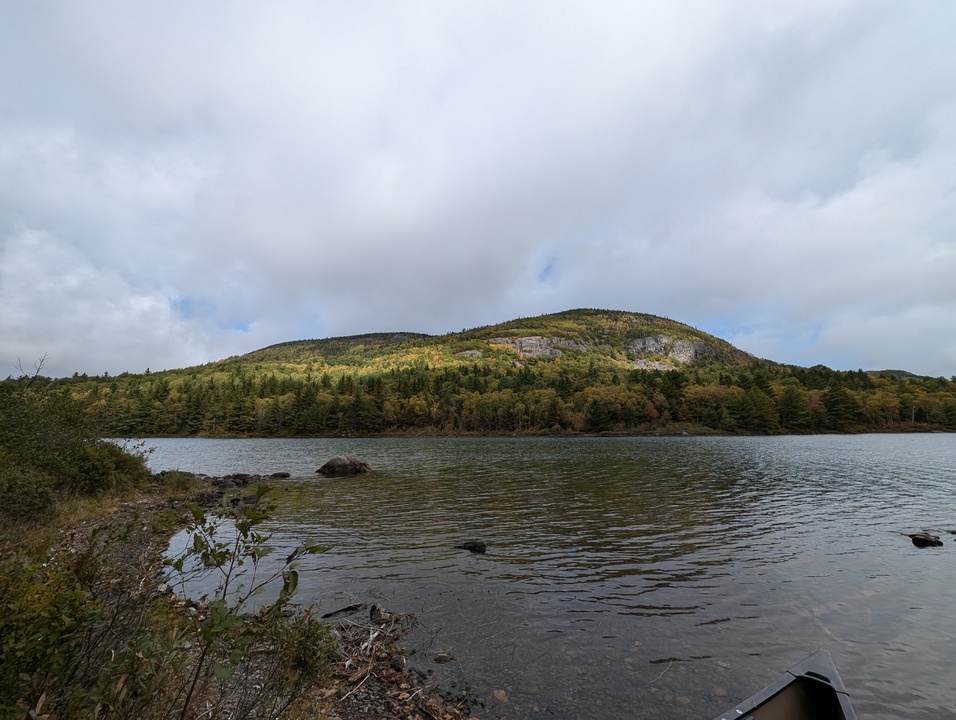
<point>810,690</point>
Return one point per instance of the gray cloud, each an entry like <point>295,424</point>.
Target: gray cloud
<point>180,183</point>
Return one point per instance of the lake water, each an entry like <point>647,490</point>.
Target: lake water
<point>634,577</point>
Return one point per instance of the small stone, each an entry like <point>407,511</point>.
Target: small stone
<point>475,546</point>
<point>443,657</point>
<point>378,615</point>
<point>925,540</point>
<point>500,695</point>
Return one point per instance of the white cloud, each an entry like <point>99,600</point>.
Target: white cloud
<point>306,170</point>
<point>55,302</point>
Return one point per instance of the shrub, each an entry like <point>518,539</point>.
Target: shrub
<point>85,633</point>
<point>47,446</point>
<point>100,465</point>
<point>25,493</point>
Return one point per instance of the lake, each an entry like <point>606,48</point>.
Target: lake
<point>633,577</point>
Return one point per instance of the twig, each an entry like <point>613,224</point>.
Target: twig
<point>357,686</point>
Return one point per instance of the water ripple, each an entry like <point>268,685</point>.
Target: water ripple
<point>718,561</point>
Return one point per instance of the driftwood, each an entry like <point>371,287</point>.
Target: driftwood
<point>373,669</point>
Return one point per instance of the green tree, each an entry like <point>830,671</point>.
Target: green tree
<point>597,417</point>
<point>793,406</point>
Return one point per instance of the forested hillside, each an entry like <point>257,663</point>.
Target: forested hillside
<point>578,371</point>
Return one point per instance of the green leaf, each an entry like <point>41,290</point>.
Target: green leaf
<point>199,517</point>
<point>290,582</point>
<point>311,547</point>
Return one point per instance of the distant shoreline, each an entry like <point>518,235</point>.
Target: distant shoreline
<point>674,430</point>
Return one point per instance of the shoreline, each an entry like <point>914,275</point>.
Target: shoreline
<point>370,680</point>
<point>673,430</point>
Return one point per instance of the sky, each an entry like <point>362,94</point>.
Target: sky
<point>181,182</point>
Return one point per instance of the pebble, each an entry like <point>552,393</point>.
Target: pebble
<point>500,695</point>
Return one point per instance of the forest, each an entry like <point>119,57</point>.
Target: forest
<point>586,372</point>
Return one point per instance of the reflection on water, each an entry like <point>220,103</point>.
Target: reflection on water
<point>635,577</point>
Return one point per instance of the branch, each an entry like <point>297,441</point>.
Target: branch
<point>37,368</point>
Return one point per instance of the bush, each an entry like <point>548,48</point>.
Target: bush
<point>101,465</point>
<point>60,628</point>
<point>47,446</point>
<point>25,493</point>
<point>177,480</point>
<point>86,633</point>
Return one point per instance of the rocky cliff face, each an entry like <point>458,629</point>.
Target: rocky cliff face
<point>537,346</point>
<point>672,352</point>
<point>682,352</point>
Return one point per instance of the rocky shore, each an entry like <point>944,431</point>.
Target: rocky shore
<point>371,678</point>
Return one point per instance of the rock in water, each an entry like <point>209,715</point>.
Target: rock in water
<point>475,546</point>
<point>925,540</point>
<point>378,615</point>
<point>342,466</point>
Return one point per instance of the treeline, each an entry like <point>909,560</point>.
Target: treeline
<point>539,395</point>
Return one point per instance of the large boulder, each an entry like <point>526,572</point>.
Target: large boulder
<point>343,466</point>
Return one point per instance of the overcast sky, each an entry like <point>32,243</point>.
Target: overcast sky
<point>182,181</point>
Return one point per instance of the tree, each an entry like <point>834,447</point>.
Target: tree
<point>597,418</point>
<point>842,407</point>
<point>792,406</point>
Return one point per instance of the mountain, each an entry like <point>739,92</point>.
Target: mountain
<point>576,371</point>
<point>632,340</point>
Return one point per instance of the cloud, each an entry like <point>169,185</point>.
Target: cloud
<point>45,279</point>
<point>231,176</point>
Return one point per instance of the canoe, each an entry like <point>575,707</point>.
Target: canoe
<point>809,690</point>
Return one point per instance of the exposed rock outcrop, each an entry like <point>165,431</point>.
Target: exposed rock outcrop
<point>686,352</point>
<point>683,352</point>
<point>537,346</point>
<point>652,365</point>
<point>656,345</point>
